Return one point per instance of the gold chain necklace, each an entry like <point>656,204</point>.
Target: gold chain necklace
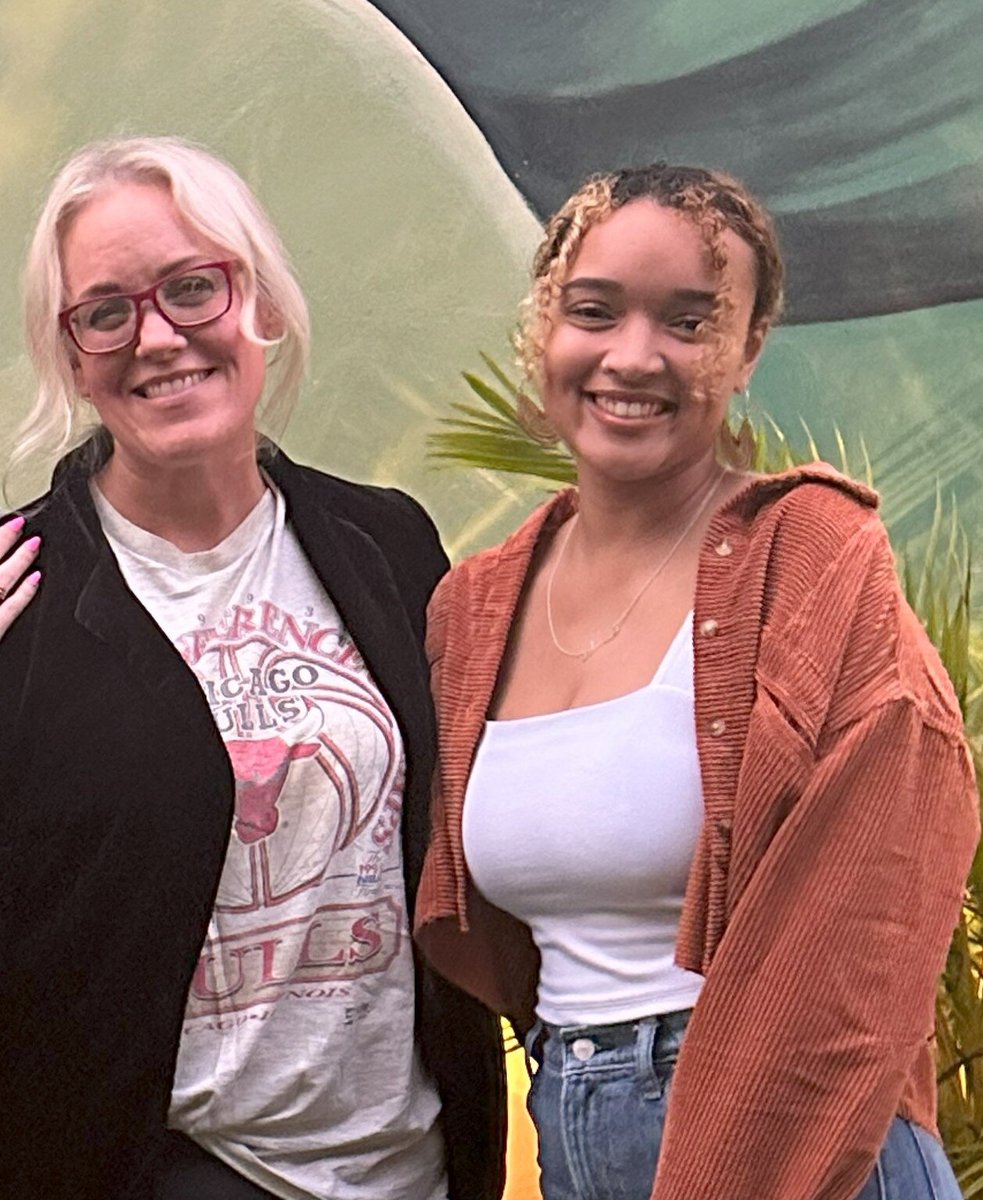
<point>616,628</point>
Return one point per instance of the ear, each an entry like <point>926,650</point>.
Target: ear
<point>72,353</point>
<point>76,366</point>
<point>753,345</point>
<point>269,324</point>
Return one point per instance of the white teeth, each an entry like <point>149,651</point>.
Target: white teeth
<point>630,408</point>
<point>167,387</point>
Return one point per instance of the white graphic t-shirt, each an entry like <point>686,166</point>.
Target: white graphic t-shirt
<point>297,1064</point>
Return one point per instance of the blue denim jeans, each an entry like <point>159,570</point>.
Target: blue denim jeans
<point>599,1101</point>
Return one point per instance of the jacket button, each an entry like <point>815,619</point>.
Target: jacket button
<point>709,627</point>
<point>724,549</point>
<point>718,727</point>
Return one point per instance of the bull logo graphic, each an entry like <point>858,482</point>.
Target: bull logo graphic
<point>315,753</point>
<point>286,834</point>
<point>261,771</point>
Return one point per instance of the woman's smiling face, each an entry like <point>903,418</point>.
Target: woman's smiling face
<point>625,363</point>
<point>175,397</point>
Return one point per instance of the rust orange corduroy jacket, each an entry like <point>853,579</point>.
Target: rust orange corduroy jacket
<point>841,818</point>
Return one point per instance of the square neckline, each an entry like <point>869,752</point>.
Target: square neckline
<point>682,634</point>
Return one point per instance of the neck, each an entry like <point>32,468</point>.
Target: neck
<point>193,507</point>
<point>616,516</point>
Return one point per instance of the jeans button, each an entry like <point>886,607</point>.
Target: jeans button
<point>583,1049</point>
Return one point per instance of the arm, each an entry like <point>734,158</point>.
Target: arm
<point>821,993</point>
<point>478,947</point>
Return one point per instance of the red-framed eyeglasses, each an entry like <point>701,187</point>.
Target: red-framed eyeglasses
<point>190,297</point>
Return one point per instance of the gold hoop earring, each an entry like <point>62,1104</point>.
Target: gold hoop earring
<point>534,422</point>
<point>738,449</point>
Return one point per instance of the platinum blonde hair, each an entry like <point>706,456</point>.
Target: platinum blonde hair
<point>214,202</point>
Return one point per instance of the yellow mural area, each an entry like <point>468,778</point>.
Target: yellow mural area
<point>522,1180</point>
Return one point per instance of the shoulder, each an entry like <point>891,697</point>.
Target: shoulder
<point>364,504</point>
<point>836,615</point>
<point>72,540</point>
<point>811,506</point>
<point>809,528</point>
<point>819,534</point>
<point>503,567</point>
<point>43,512</point>
<point>65,515</point>
<point>482,591</point>
<point>396,523</point>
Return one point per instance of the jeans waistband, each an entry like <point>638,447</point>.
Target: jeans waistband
<point>610,1037</point>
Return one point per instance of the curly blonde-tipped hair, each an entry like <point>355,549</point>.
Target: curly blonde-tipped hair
<point>712,200</point>
<point>214,202</point>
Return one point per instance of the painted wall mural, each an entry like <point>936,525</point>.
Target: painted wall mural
<point>860,124</point>
<point>407,149</point>
<point>410,240</point>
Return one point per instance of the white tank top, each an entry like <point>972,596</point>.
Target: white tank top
<point>583,824</point>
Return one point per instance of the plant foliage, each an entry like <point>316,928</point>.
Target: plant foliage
<point>938,586</point>
<point>491,437</point>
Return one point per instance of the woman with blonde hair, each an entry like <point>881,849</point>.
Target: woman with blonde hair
<point>216,743</point>
<point>703,805</point>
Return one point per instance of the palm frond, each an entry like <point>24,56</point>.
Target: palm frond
<point>510,386</point>
<point>490,436</point>
<point>937,583</point>
<point>495,400</point>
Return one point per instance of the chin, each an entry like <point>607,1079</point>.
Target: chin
<point>187,448</point>
<point>623,468</point>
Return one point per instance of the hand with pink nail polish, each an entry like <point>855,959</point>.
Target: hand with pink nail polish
<point>17,587</point>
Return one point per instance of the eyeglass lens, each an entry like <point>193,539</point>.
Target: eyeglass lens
<point>191,298</point>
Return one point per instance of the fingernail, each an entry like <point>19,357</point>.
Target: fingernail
<point>34,579</point>
<point>32,543</point>
<point>16,524</point>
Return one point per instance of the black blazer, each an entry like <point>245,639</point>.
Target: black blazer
<point>116,801</point>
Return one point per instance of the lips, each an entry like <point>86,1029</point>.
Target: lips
<point>629,406</point>
<point>170,385</point>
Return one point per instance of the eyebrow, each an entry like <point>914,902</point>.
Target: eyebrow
<point>696,295</point>
<point>110,288</point>
<point>689,295</point>
<point>604,285</point>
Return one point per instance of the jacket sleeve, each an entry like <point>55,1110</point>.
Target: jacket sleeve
<point>413,544</point>
<point>821,992</point>
<point>437,623</point>
<point>478,947</point>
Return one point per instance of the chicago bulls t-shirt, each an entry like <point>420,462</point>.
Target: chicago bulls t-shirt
<point>297,1064</point>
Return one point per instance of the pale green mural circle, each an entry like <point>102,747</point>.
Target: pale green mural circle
<point>411,243</point>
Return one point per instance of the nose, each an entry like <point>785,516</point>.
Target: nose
<point>155,334</point>
<point>635,350</point>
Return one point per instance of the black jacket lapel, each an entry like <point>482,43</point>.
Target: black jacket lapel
<point>108,610</point>
<point>358,579</point>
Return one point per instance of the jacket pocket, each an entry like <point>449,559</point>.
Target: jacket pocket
<point>775,768</point>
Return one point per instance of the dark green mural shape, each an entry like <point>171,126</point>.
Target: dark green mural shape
<point>854,122</point>
<point>860,124</point>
